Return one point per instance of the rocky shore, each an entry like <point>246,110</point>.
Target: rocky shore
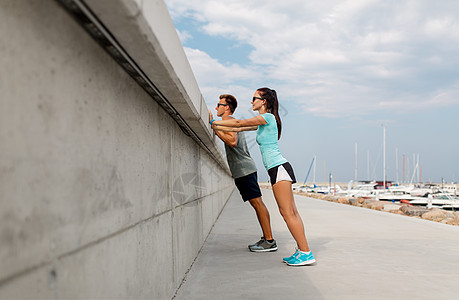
<point>434,214</point>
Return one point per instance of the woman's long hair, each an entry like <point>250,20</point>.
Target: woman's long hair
<point>272,105</point>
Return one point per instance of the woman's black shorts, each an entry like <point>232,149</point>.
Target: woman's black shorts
<point>248,186</point>
<point>281,172</point>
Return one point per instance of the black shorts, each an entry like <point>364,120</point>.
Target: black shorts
<point>248,186</point>
<point>281,172</point>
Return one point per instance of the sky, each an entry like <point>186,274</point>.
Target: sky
<point>345,73</point>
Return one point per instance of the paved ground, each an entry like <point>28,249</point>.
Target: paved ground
<point>361,254</point>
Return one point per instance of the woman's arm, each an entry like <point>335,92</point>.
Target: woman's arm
<point>255,121</point>
<point>233,129</point>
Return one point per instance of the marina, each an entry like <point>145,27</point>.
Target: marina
<point>431,195</point>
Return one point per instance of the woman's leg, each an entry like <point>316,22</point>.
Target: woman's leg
<point>284,196</point>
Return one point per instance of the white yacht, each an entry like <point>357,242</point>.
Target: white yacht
<point>331,190</point>
<point>440,199</point>
<point>366,190</point>
<point>424,190</point>
<point>450,189</point>
<point>396,195</point>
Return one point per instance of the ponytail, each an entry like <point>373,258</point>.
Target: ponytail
<point>272,105</point>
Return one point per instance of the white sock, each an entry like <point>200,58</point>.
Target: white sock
<point>306,252</point>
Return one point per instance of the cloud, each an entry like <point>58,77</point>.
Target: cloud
<point>184,36</point>
<point>209,70</point>
<point>216,78</point>
<point>333,58</point>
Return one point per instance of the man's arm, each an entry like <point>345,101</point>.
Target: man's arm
<point>229,138</point>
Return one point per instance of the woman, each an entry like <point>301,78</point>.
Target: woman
<point>269,126</point>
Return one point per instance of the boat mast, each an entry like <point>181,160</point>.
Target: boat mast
<point>384,156</point>
<point>420,175</point>
<point>419,171</point>
<point>396,165</point>
<point>314,178</point>
<point>355,172</point>
<point>325,173</point>
<point>403,168</point>
<point>368,165</point>
<point>408,168</point>
<point>415,170</point>
<point>309,170</point>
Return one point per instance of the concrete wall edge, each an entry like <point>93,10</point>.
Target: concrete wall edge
<point>145,30</point>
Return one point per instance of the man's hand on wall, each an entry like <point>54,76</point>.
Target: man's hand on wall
<point>210,116</point>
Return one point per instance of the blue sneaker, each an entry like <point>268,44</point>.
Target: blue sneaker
<point>302,259</point>
<point>287,259</point>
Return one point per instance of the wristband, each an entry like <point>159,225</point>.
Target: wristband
<point>211,122</point>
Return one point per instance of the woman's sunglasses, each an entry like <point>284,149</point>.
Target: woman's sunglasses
<point>255,98</point>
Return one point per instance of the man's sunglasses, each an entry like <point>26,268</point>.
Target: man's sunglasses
<point>218,104</point>
<point>255,98</point>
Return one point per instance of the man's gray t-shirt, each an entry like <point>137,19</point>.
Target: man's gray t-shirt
<point>239,160</point>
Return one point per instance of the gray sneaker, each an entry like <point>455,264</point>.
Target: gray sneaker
<point>262,239</point>
<point>263,246</point>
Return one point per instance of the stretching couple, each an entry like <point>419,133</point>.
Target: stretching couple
<point>268,126</point>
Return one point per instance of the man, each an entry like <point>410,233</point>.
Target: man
<point>244,172</point>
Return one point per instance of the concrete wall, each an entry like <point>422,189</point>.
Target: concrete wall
<point>102,195</point>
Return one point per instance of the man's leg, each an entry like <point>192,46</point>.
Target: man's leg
<point>263,217</point>
<point>250,191</point>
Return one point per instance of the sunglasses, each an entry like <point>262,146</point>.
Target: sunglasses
<point>222,104</point>
<point>255,98</point>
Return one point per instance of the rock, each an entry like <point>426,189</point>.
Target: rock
<point>360,200</point>
<point>454,221</point>
<point>437,215</point>
<point>329,198</point>
<point>368,202</point>
<point>343,200</point>
<point>353,201</point>
<point>391,206</point>
<point>413,211</point>
<point>377,205</point>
